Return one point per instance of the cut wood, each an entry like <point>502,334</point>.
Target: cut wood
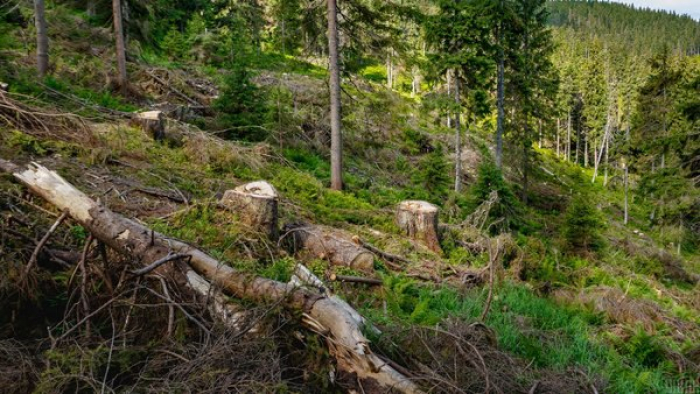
<point>256,204</point>
<point>152,122</point>
<point>419,220</point>
<point>333,245</point>
<point>338,323</point>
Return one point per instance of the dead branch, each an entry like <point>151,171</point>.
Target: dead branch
<point>42,242</point>
<point>356,279</point>
<point>341,323</point>
<point>382,254</point>
<point>158,263</point>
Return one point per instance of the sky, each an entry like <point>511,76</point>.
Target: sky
<point>690,7</point>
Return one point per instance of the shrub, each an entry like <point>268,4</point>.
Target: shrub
<point>490,178</point>
<point>582,224</point>
<point>432,179</point>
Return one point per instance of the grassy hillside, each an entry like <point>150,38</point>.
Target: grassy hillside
<point>579,298</point>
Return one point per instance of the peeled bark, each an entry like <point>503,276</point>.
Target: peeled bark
<point>419,220</point>
<point>42,39</point>
<point>256,204</point>
<point>333,245</point>
<point>340,324</point>
<point>152,122</point>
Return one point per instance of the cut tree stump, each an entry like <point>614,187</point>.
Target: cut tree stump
<point>152,122</point>
<point>333,245</point>
<point>256,203</point>
<point>338,322</point>
<point>419,220</point>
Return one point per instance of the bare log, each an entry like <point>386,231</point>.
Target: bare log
<point>152,122</point>
<point>419,220</point>
<point>256,204</point>
<point>339,324</point>
<point>333,245</point>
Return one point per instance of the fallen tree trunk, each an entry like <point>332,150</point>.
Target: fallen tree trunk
<point>333,245</point>
<point>320,313</point>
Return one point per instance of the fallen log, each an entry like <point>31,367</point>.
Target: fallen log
<point>382,254</point>
<point>320,313</point>
<point>333,245</point>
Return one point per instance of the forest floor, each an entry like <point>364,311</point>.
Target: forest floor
<point>624,317</point>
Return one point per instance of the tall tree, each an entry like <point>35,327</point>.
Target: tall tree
<point>42,39</point>
<point>122,80</point>
<point>334,86</point>
<point>458,35</point>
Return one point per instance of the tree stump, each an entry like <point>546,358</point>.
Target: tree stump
<point>152,122</point>
<point>256,204</point>
<point>333,245</point>
<point>419,220</point>
<point>4,86</point>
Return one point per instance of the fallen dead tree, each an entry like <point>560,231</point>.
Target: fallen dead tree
<point>336,321</point>
<point>330,244</point>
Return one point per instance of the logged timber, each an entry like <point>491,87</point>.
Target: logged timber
<point>339,324</point>
<point>419,220</point>
<point>333,245</point>
<point>152,122</point>
<point>256,204</point>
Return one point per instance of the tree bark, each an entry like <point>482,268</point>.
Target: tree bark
<point>458,140</point>
<point>626,185</point>
<point>568,137</point>
<point>334,85</point>
<point>122,80</point>
<point>152,122</point>
<point>500,97</point>
<point>558,133</point>
<point>42,39</point>
<point>256,204</point>
<point>419,220</point>
<point>339,323</point>
<point>333,245</point>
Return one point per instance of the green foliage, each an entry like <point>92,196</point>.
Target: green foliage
<point>174,44</point>
<point>582,224</point>
<point>490,178</point>
<point>243,106</point>
<point>431,180</point>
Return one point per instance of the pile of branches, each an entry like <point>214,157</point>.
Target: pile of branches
<point>42,122</point>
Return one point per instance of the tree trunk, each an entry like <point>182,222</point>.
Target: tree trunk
<point>91,8</point>
<point>458,140</point>
<point>334,85</point>
<point>152,122</point>
<point>419,220</point>
<point>389,71</point>
<point>607,149</point>
<point>449,94</point>
<point>558,133</point>
<point>340,324</point>
<point>500,96</point>
<point>333,245</point>
<point>42,39</point>
<point>122,80</point>
<point>626,186</point>
<point>256,204</point>
<point>568,137</point>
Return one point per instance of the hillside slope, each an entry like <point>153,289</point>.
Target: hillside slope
<point>554,295</point>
